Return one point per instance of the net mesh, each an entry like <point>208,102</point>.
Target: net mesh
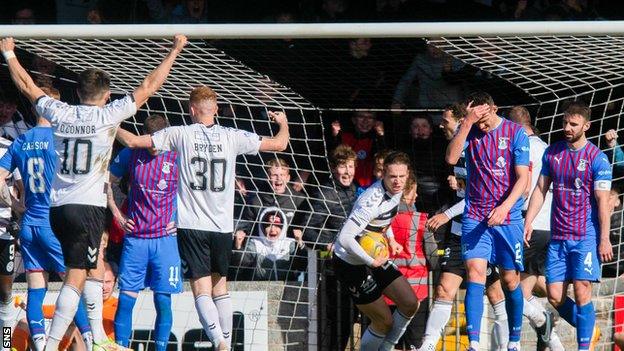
<point>553,71</point>
<point>281,319</point>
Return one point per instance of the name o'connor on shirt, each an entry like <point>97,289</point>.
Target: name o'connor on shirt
<point>76,129</point>
<point>35,145</point>
<point>208,147</point>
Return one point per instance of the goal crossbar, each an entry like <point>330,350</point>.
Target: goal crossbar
<point>314,30</point>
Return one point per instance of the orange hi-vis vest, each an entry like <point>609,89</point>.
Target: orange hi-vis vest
<point>408,227</point>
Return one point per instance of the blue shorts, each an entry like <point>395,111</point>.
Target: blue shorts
<point>501,245</point>
<point>153,263</point>
<point>41,250</point>
<point>569,260</point>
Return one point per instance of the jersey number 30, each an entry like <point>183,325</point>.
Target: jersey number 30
<point>217,174</point>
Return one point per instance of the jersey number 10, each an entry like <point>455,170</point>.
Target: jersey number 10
<point>72,149</point>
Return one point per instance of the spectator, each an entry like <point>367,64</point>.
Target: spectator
<point>333,11</point>
<point>12,122</point>
<point>188,11</point>
<point>430,81</point>
<point>408,227</point>
<point>269,255</point>
<point>427,152</point>
<point>320,217</point>
<point>24,14</point>
<point>280,194</point>
<point>366,138</point>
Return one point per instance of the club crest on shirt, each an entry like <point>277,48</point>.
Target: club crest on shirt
<point>361,154</point>
<point>166,168</point>
<point>503,142</point>
<point>162,184</point>
<point>500,162</point>
<point>578,183</point>
<point>582,165</point>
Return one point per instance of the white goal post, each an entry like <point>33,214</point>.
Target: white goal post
<point>314,30</point>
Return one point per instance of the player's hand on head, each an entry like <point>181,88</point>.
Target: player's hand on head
<point>278,117</point>
<point>497,215</point>
<point>179,41</point>
<point>7,44</point>
<point>435,222</point>
<point>605,250</point>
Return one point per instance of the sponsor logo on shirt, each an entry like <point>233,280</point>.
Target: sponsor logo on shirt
<point>578,183</point>
<point>500,162</point>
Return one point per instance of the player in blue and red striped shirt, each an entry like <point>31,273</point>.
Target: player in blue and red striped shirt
<point>581,177</point>
<point>497,160</point>
<point>150,255</point>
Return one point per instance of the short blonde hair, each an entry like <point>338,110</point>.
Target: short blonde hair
<point>341,155</point>
<point>277,162</point>
<point>202,93</point>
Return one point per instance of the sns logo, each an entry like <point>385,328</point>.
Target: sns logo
<point>502,143</point>
<point>582,165</point>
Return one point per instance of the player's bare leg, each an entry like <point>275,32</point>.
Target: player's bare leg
<point>207,310</point>
<point>381,324</point>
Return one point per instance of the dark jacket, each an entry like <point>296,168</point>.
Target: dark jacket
<point>322,215</point>
<point>287,202</point>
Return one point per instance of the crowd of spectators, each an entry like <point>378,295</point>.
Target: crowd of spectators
<point>207,11</point>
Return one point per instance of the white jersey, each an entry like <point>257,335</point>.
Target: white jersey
<point>373,211</point>
<point>83,139</point>
<point>536,152</point>
<point>5,212</point>
<point>206,162</point>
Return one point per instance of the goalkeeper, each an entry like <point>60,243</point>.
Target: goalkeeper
<point>373,212</point>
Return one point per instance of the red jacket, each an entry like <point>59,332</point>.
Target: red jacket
<point>408,227</point>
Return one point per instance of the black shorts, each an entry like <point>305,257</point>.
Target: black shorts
<point>453,261</point>
<point>365,284</point>
<point>7,257</point>
<point>203,252</point>
<point>79,229</point>
<point>535,254</point>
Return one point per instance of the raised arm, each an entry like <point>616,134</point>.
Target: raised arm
<point>157,77</point>
<point>133,141</point>
<point>23,81</point>
<point>280,141</point>
<point>456,146</point>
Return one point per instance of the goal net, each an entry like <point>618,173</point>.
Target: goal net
<point>272,288</point>
<point>277,303</point>
<point>553,71</point>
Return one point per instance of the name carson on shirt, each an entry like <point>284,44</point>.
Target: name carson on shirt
<point>36,145</point>
<point>76,129</point>
<point>208,147</point>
